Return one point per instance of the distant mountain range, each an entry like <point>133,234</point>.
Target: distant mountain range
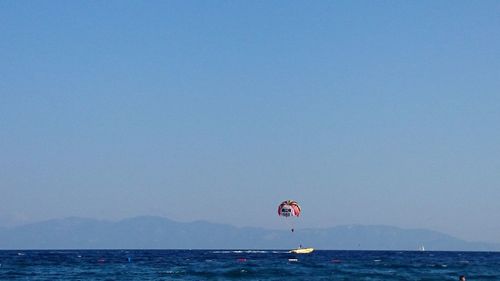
<point>149,232</point>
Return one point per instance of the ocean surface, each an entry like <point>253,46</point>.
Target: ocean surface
<point>246,265</point>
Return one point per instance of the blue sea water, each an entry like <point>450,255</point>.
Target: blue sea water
<point>246,265</point>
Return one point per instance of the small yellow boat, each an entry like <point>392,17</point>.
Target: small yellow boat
<point>302,251</point>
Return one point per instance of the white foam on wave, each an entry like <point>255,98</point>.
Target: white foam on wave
<point>241,252</point>
<point>172,272</point>
<point>256,252</point>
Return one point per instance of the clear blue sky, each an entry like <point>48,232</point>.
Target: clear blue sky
<point>369,112</point>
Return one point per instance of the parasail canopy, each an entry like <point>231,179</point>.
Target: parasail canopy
<point>289,208</point>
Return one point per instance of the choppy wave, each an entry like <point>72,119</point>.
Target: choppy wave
<point>246,264</point>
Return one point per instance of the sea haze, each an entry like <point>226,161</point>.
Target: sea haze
<point>149,232</point>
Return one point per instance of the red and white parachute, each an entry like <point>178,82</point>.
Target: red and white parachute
<point>289,208</point>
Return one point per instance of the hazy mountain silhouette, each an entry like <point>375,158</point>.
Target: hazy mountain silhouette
<point>149,232</point>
